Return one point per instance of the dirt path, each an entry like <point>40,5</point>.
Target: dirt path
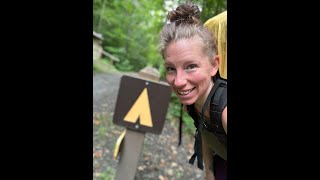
<point>161,157</point>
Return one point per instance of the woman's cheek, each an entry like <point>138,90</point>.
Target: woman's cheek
<point>169,79</point>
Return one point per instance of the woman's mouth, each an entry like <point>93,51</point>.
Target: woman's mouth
<point>185,92</point>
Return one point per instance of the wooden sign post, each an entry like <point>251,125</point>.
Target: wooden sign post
<point>141,107</point>
<point>129,154</point>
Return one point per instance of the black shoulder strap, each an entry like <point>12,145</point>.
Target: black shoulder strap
<point>180,124</point>
<point>218,103</point>
<point>198,138</point>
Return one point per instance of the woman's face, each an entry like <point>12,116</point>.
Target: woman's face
<point>189,70</point>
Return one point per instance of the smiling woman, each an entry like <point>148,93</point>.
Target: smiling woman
<point>192,71</point>
<point>189,71</point>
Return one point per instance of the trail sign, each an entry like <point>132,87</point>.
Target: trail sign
<point>142,104</point>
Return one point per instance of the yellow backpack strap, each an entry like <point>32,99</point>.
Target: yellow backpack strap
<point>217,25</point>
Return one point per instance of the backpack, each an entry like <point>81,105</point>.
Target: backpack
<point>218,101</point>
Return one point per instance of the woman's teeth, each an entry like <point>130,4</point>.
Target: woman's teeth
<point>184,92</point>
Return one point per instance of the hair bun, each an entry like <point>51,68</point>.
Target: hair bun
<point>187,13</point>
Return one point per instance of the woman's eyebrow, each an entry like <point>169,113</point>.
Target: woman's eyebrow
<point>186,62</point>
<point>190,62</point>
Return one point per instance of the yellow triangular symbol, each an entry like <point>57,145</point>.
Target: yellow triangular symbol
<point>140,108</point>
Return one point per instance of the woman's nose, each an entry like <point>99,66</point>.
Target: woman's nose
<point>180,80</point>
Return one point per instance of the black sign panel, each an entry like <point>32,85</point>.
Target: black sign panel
<point>142,104</point>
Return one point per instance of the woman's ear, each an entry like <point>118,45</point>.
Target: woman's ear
<point>215,65</point>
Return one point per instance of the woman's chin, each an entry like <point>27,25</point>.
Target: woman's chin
<point>187,102</point>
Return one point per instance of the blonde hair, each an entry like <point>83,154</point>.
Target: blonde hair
<point>217,25</point>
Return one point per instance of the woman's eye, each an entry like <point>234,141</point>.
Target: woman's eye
<point>191,66</point>
<point>169,69</point>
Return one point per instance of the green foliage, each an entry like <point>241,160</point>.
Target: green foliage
<point>209,8</point>
<point>124,65</point>
<point>103,65</point>
<point>109,174</point>
<point>102,131</point>
<point>178,173</point>
<point>130,30</point>
<point>175,113</point>
<point>162,71</point>
<point>113,50</point>
<point>175,106</point>
<point>188,126</point>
